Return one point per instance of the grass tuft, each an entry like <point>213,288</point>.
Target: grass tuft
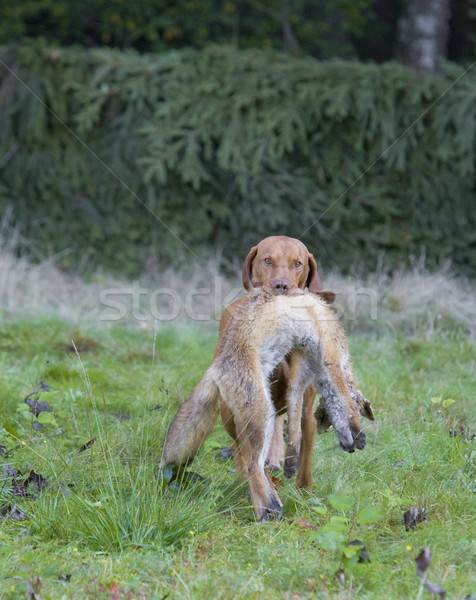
<point>129,509</point>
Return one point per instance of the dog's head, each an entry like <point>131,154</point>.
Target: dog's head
<point>281,265</point>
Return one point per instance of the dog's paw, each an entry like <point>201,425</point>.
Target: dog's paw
<point>290,466</point>
<point>275,458</point>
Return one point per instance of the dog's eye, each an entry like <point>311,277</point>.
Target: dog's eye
<point>298,263</point>
<point>268,261</point>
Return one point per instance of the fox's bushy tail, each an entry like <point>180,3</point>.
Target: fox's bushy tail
<point>193,423</point>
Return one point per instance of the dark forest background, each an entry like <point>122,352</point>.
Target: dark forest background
<point>133,132</point>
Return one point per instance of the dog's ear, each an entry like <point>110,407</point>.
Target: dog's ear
<point>247,268</point>
<point>313,281</point>
<point>329,297</point>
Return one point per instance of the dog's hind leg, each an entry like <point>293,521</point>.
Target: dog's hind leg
<point>192,424</point>
<point>308,437</point>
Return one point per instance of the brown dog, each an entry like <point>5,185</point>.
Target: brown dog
<point>282,265</point>
<point>263,330</point>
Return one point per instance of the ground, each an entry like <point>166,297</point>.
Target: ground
<point>101,526</point>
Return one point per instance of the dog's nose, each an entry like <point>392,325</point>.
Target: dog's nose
<point>281,286</point>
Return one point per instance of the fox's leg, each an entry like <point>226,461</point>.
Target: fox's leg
<point>192,423</point>
<point>253,424</point>
<point>361,403</point>
<point>341,408</point>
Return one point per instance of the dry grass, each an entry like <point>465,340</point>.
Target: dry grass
<point>409,299</point>
<point>414,299</point>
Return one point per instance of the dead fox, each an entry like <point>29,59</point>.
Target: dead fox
<point>261,333</point>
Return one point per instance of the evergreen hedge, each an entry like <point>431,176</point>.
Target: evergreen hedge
<point>226,147</point>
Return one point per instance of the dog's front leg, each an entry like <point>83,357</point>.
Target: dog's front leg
<point>297,383</point>
<point>276,450</point>
<point>308,437</point>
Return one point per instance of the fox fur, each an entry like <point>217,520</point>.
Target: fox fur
<point>261,333</point>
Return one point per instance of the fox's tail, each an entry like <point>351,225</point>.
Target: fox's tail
<point>193,423</point>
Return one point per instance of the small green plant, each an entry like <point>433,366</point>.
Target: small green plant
<point>338,534</point>
<point>37,410</point>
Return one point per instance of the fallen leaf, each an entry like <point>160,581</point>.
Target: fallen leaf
<point>9,471</point>
<point>225,452</point>
<point>185,478</point>
<point>413,516</point>
<point>364,555</point>
<point>15,514</point>
<point>464,433</point>
<point>20,488</point>
<point>448,402</point>
<point>37,480</point>
<point>305,524</point>
<point>36,406</point>
<point>87,445</point>
<point>33,589</point>
<point>277,481</point>
<point>423,561</point>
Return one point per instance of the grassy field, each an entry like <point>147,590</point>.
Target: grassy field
<point>92,521</point>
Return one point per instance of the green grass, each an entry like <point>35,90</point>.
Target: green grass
<point>105,528</point>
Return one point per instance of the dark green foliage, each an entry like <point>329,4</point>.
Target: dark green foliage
<point>323,28</point>
<point>226,147</point>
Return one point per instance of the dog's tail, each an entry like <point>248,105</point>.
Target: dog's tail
<point>193,423</point>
